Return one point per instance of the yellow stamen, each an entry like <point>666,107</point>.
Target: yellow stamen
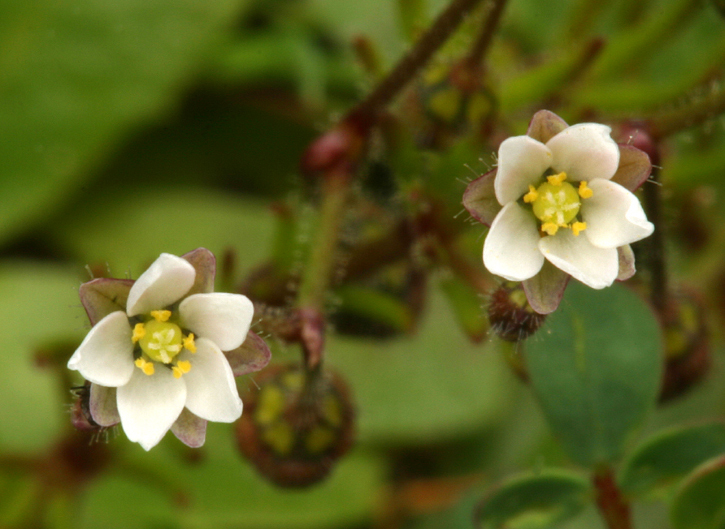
<point>184,366</point>
<point>584,191</point>
<point>139,331</point>
<point>146,367</point>
<point>556,179</point>
<point>161,315</point>
<point>550,228</point>
<point>531,195</point>
<point>189,344</point>
<point>577,227</point>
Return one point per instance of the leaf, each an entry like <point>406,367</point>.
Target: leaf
<point>670,455</point>
<point>534,501</point>
<point>700,502</point>
<point>78,77</point>
<point>596,367</point>
<point>40,305</point>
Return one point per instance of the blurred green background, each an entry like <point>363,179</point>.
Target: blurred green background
<point>135,127</point>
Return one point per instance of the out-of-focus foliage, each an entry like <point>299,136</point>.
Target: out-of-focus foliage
<point>130,128</point>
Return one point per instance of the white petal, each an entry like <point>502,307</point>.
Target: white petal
<point>614,216</point>
<point>575,255</point>
<point>105,357</point>
<point>584,152</point>
<point>223,318</point>
<point>211,391</point>
<point>165,282</point>
<point>149,405</point>
<point>511,248</point>
<point>521,161</point>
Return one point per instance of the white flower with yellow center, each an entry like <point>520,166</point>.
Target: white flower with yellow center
<point>560,204</point>
<point>164,352</point>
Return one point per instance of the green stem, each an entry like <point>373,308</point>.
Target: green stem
<point>322,260</point>
<point>613,507</point>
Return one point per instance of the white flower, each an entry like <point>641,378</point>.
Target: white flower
<point>164,352</point>
<point>560,204</point>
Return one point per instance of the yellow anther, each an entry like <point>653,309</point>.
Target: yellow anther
<point>139,331</point>
<point>181,367</point>
<point>584,191</point>
<point>146,367</point>
<point>531,195</point>
<point>550,228</point>
<point>161,315</point>
<point>577,227</point>
<point>556,179</point>
<point>189,344</point>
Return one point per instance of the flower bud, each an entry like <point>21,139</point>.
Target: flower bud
<point>511,316</point>
<point>297,425</point>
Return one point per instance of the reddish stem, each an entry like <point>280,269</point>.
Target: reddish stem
<point>613,507</point>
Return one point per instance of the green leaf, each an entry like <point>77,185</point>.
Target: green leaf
<point>596,367</point>
<point>77,76</point>
<point>40,305</point>
<point>700,502</point>
<point>670,455</point>
<point>532,501</point>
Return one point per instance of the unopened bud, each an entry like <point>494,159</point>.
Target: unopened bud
<point>511,316</point>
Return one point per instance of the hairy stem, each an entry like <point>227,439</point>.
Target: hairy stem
<point>477,53</point>
<point>416,58</point>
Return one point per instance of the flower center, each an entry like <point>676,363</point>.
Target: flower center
<point>557,204</point>
<point>162,340</point>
